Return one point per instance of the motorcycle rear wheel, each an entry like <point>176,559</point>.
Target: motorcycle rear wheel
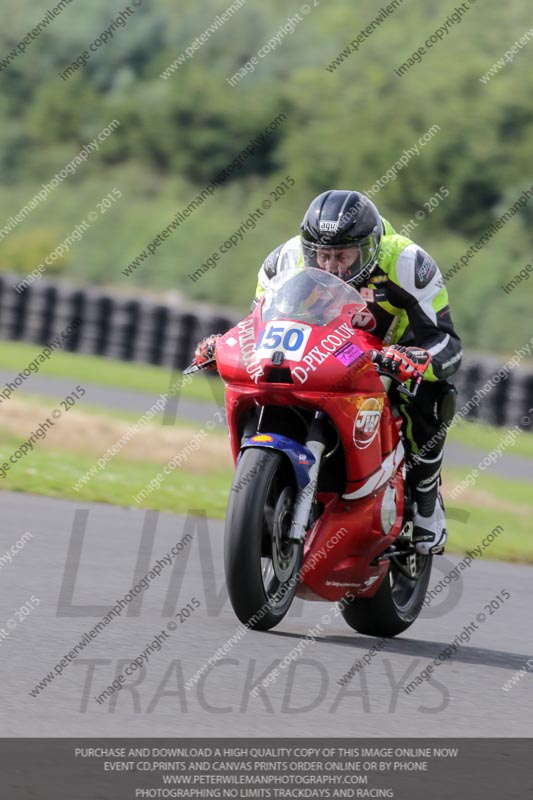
<point>396,604</point>
<point>261,564</point>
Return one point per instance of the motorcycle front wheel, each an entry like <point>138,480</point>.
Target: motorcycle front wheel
<point>261,563</point>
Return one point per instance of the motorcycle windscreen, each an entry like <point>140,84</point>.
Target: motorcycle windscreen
<point>309,295</point>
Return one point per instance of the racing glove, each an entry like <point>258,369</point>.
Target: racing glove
<point>404,362</point>
<point>204,355</point>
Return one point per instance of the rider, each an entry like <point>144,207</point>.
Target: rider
<point>343,233</point>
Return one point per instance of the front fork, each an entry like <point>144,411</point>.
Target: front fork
<point>316,444</point>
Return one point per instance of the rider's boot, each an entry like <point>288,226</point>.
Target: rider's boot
<point>429,521</point>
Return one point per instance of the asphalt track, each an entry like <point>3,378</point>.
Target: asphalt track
<point>456,455</point>
<point>117,546</point>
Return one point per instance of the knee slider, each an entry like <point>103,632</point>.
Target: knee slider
<point>447,404</point>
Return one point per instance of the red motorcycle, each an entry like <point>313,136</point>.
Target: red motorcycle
<point>318,507</point>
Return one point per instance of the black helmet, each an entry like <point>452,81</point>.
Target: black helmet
<point>340,219</point>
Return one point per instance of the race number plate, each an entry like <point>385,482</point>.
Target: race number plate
<point>289,337</point>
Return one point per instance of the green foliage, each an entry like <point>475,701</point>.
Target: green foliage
<point>23,252</point>
<point>345,128</point>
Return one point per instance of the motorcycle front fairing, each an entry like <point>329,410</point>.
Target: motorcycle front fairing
<point>310,360</point>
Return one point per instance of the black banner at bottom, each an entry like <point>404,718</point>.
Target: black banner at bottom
<point>405,769</point>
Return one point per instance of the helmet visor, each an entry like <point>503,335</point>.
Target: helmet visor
<point>349,262</point>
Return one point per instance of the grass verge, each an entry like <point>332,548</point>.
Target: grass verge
<point>490,502</point>
<point>107,372</point>
<point>484,438</point>
<point>54,473</point>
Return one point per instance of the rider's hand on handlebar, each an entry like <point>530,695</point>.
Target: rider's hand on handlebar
<point>404,363</point>
<point>204,355</point>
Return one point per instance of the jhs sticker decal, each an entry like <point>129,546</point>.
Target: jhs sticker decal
<point>366,424</point>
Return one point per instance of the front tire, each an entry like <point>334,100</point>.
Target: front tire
<point>261,564</point>
<point>396,604</point>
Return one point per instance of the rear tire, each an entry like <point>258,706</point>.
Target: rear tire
<point>396,604</point>
<point>261,564</point>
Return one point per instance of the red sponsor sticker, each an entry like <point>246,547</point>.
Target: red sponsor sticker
<point>364,320</point>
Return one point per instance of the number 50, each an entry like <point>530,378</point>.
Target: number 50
<point>273,337</point>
